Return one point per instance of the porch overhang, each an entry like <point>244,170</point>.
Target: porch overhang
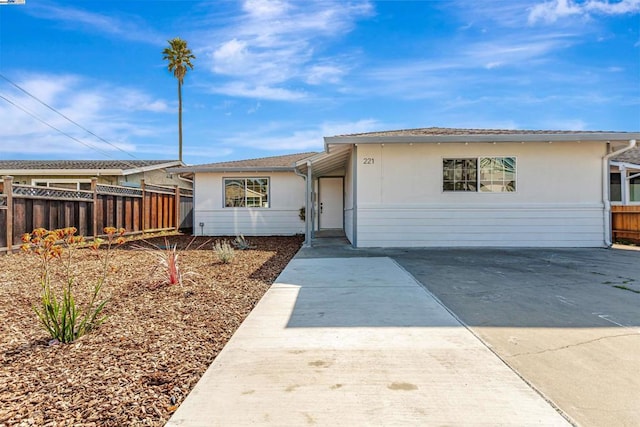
<point>334,157</point>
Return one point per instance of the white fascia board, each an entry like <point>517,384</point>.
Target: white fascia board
<point>140,169</point>
<point>57,172</point>
<point>626,165</point>
<point>488,138</point>
<point>201,169</point>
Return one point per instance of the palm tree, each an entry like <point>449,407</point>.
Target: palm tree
<point>179,57</point>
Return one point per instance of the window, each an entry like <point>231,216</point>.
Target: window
<point>615,189</point>
<point>495,174</point>
<point>67,184</point>
<point>460,175</point>
<point>246,192</point>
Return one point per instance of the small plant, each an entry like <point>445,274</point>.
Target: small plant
<point>224,251</point>
<point>63,318</point>
<point>168,260</point>
<point>241,243</point>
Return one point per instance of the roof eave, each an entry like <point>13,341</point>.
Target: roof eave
<point>148,168</point>
<point>489,138</point>
<point>62,172</point>
<point>201,169</point>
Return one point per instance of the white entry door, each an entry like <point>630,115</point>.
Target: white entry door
<point>330,208</point>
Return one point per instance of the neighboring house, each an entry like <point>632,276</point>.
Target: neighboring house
<point>625,178</point>
<point>77,174</point>
<point>433,187</point>
<point>256,197</point>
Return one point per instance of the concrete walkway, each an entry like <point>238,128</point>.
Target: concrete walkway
<point>357,341</point>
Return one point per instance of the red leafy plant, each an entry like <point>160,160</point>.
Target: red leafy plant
<point>168,257</point>
<point>61,315</point>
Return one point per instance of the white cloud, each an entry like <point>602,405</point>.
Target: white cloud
<point>277,137</point>
<point>551,11</point>
<point>265,8</point>
<point>130,28</point>
<point>320,74</point>
<point>112,113</point>
<point>566,124</point>
<point>274,45</point>
<point>241,89</point>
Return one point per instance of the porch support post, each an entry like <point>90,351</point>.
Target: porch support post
<point>624,185</point>
<point>309,206</point>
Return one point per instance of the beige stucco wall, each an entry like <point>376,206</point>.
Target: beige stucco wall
<point>286,197</point>
<point>557,202</point>
<point>156,177</point>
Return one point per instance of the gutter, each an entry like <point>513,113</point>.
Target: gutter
<point>480,138</point>
<point>200,169</point>
<point>605,190</point>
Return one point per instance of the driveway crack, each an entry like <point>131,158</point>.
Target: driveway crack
<point>549,350</point>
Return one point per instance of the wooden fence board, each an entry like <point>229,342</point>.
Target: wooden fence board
<point>40,217</point>
<point>625,223</point>
<point>137,206</point>
<point>3,226</point>
<point>20,219</point>
<point>83,219</point>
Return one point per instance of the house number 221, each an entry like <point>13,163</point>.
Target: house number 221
<point>368,161</point>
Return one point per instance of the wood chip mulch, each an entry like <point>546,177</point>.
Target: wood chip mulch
<point>140,364</point>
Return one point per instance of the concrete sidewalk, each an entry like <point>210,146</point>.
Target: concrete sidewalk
<point>357,341</point>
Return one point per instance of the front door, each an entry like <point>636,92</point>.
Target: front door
<point>331,203</point>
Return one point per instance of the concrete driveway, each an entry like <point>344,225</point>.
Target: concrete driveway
<point>566,320</point>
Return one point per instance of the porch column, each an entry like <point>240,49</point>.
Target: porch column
<point>309,206</point>
<point>624,185</point>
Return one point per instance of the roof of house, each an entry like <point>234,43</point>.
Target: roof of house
<point>630,156</point>
<point>82,167</point>
<point>438,131</point>
<point>437,134</point>
<point>261,164</point>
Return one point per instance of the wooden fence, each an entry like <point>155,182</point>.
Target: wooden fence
<point>146,209</point>
<point>625,223</point>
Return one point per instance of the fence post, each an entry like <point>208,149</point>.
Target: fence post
<point>176,214</point>
<point>144,205</point>
<point>94,216</point>
<point>7,189</point>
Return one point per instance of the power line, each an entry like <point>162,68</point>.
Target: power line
<point>61,131</point>
<point>70,120</point>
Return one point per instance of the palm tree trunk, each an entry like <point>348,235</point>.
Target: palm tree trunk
<point>179,120</point>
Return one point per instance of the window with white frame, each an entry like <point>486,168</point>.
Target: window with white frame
<point>246,192</point>
<point>483,174</point>
<point>67,184</point>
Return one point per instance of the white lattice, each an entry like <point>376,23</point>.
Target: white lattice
<point>51,193</point>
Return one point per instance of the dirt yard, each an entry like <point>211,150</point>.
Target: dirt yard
<point>140,364</point>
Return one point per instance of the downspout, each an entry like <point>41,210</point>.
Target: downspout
<point>605,190</point>
<point>307,234</point>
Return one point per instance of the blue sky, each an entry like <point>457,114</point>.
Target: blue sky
<point>275,76</point>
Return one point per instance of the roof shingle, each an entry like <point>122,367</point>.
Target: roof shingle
<point>78,164</point>
<point>284,161</point>
<point>438,131</point>
<point>631,156</point>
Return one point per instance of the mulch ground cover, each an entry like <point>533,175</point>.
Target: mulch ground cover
<point>157,341</point>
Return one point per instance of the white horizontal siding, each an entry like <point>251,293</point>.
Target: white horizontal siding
<point>513,226</point>
<point>348,224</point>
<point>249,222</point>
